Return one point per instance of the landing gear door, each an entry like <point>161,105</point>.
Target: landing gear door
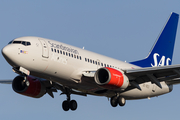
<point>45,52</point>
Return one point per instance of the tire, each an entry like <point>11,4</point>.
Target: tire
<point>65,105</point>
<point>114,102</point>
<point>121,101</point>
<point>73,105</point>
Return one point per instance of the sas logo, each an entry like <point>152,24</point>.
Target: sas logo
<point>163,61</point>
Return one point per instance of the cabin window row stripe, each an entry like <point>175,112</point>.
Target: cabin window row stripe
<point>98,63</point>
<point>66,53</point>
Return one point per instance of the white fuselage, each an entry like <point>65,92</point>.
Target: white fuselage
<point>65,64</point>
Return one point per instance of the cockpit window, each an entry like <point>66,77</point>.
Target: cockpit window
<point>17,42</point>
<point>10,42</point>
<point>20,42</point>
<point>28,43</point>
<point>23,42</point>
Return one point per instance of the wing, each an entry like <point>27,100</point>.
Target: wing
<point>170,74</point>
<point>6,81</point>
<point>51,87</point>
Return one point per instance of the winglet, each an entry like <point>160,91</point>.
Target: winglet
<point>162,52</point>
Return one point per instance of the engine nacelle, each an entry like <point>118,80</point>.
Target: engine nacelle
<point>110,78</point>
<point>31,87</point>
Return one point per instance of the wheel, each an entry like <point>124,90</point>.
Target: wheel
<point>121,101</point>
<point>65,105</point>
<point>73,105</point>
<point>114,102</point>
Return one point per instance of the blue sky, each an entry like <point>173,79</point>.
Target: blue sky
<point>122,29</point>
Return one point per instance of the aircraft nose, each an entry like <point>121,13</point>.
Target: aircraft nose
<point>7,52</point>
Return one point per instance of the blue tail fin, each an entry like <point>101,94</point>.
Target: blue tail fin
<point>162,51</point>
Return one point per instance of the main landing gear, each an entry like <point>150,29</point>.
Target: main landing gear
<point>115,100</point>
<point>69,104</point>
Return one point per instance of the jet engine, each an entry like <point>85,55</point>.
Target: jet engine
<point>110,78</point>
<point>29,86</point>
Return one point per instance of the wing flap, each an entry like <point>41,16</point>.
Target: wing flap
<point>173,81</point>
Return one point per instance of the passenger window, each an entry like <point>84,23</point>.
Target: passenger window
<point>85,59</point>
<point>71,55</point>
<point>77,57</point>
<point>74,56</point>
<point>101,64</point>
<point>104,65</point>
<point>52,49</point>
<point>93,61</point>
<point>80,57</point>
<point>63,53</point>
<point>90,61</point>
<point>55,50</point>
<point>58,51</point>
<point>66,54</point>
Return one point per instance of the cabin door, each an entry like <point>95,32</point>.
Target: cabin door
<point>45,52</point>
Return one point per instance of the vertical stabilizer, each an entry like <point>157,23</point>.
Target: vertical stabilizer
<point>162,52</point>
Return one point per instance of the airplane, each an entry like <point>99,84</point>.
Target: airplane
<point>45,66</point>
